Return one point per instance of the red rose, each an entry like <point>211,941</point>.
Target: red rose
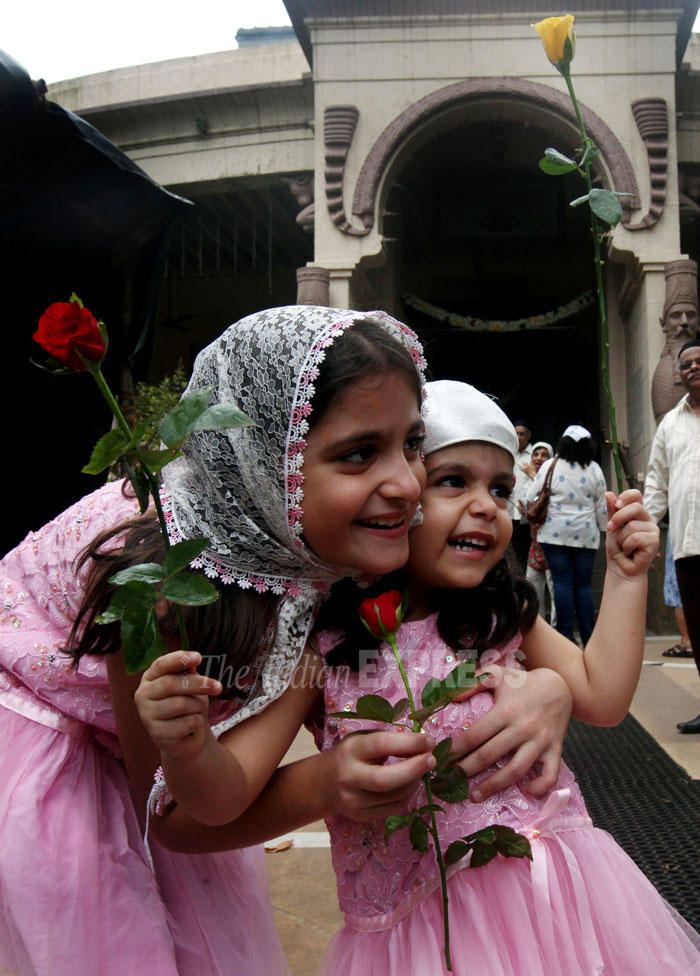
<point>66,329</point>
<point>389,606</point>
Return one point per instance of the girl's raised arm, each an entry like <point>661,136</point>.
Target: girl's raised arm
<point>604,677</point>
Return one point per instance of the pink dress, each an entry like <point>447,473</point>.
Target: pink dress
<point>581,908</point>
<point>77,896</point>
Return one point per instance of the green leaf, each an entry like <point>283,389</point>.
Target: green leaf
<point>134,592</point>
<point>400,708</point>
<point>397,822</point>
<point>141,640</point>
<point>181,555</point>
<point>428,808</point>
<point>375,707</point>
<point>139,482</point>
<point>456,851</point>
<point>155,460</point>
<point>482,854</point>
<point>342,715</point>
<point>177,424</point>
<point>143,573</point>
<point>223,416</point>
<point>591,153</point>
<point>194,413</point>
<point>578,201</point>
<point>418,833</point>
<point>451,785</point>
<point>605,205</point>
<point>107,450</point>
<point>189,588</point>
<point>442,753</point>
<point>431,692</point>
<point>511,844</point>
<point>556,164</point>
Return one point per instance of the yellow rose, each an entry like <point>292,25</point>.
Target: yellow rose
<point>558,38</point>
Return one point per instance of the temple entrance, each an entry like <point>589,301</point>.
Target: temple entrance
<point>476,230</point>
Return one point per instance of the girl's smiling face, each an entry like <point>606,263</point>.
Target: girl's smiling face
<point>363,475</point>
<point>466,522</point>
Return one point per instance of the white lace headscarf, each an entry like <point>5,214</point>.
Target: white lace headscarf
<point>243,488</point>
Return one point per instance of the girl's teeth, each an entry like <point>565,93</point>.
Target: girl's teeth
<point>468,544</point>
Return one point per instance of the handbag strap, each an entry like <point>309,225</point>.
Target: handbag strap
<point>548,477</point>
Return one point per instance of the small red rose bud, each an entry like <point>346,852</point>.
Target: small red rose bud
<point>389,606</point>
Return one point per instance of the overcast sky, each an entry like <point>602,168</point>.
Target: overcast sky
<point>59,39</point>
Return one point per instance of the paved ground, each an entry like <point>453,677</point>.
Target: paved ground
<point>301,877</point>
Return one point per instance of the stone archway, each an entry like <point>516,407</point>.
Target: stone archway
<point>616,169</point>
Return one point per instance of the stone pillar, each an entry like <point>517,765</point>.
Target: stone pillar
<point>313,286</point>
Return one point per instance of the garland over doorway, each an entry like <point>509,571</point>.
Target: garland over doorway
<point>473,324</point>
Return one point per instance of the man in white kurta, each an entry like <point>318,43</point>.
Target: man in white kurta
<point>673,483</point>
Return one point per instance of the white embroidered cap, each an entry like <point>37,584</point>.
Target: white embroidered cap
<point>456,412</point>
<point>576,432</point>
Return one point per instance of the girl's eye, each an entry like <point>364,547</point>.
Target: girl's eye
<point>450,481</point>
<point>359,455</point>
<point>415,443</point>
<point>502,491</point>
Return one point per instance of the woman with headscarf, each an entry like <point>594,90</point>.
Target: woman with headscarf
<point>538,572</point>
<point>570,534</point>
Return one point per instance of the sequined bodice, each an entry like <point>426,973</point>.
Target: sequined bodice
<point>374,878</point>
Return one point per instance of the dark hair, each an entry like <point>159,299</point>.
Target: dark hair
<point>576,452</point>
<point>365,349</point>
<point>483,617</point>
<point>688,345</point>
<point>232,628</point>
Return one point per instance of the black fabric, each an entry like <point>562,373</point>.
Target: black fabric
<point>76,215</point>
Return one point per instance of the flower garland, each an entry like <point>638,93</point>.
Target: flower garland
<point>501,325</point>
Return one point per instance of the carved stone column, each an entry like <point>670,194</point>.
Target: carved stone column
<point>312,286</point>
<point>680,323</point>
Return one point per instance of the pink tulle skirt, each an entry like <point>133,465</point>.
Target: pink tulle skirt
<point>77,897</point>
<point>586,910</point>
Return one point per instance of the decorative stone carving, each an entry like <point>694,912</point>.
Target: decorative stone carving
<point>680,323</point>
<point>508,91</point>
<point>301,187</point>
<point>338,130</point>
<point>651,116</point>
<point>313,286</point>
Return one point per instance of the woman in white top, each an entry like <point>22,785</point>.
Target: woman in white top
<point>570,534</point>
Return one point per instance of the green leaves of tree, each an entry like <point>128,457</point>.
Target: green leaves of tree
<point>192,413</point>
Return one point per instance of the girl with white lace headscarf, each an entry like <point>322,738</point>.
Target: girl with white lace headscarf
<point>77,893</point>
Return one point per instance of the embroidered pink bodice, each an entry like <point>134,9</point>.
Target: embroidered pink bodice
<point>377,883</point>
<point>41,594</point>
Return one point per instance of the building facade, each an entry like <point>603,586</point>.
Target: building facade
<point>385,155</point>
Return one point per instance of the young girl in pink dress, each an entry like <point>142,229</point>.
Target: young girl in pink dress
<point>78,894</point>
<point>580,907</point>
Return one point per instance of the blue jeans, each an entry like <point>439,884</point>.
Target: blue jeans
<point>572,571</point>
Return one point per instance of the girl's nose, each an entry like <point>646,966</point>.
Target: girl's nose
<point>401,481</point>
<point>482,503</point>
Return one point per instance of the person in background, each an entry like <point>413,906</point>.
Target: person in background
<point>673,483</point>
<point>521,527</point>
<point>570,534</point>
<point>538,572</point>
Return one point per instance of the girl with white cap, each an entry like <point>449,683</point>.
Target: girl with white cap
<point>581,907</point>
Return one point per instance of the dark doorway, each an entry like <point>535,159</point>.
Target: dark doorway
<point>478,230</point>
